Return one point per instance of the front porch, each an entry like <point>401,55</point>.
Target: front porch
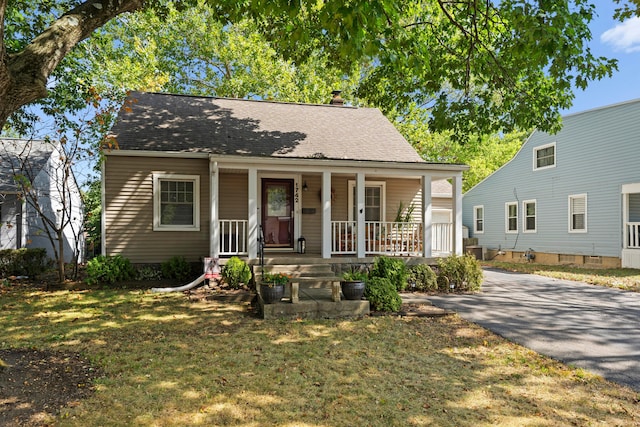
<point>334,209</point>
<point>630,257</point>
<point>381,238</point>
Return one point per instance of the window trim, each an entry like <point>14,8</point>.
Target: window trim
<point>570,213</point>
<point>157,178</point>
<point>507,217</point>
<point>475,220</point>
<point>524,216</point>
<point>535,156</point>
<point>383,198</point>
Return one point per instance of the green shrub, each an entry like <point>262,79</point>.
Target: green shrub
<point>235,272</point>
<point>459,273</point>
<point>177,268</point>
<point>24,262</point>
<point>148,273</point>
<point>422,278</point>
<point>109,269</point>
<point>393,269</point>
<point>382,294</point>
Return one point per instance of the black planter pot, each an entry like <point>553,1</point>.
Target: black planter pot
<point>271,293</point>
<point>352,290</point>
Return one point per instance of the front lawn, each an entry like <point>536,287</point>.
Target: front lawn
<point>168,361</point>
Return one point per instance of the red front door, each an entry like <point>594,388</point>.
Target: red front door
<point>277,213</point>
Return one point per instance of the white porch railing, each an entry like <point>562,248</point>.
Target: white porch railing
<point>233,236</point>
<point>633,235</point>
<point>442,238</point>
<point>390,238</point>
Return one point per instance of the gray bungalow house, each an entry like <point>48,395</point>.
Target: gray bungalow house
<point>572,197</point>
<point>38,162</point>
<point>213,177</point>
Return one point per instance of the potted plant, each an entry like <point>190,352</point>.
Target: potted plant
<point>272,287</point>
<point>353,284</point>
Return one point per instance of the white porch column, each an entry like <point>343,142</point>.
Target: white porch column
<point>252,223</point>
<point>360,215</point>
<point>214,223</point>
<point>427,218</point>
<point>326,215</point>
<point>457,213</point>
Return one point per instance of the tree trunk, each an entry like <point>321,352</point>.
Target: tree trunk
<point>24,75</point>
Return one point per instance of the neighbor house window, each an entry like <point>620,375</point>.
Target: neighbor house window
<point>511,217</point>
<point>544,156</point>
<point>578,213</point>
<point>529,210</point>
<point>478,219</point>
<point>374,196</point>
<point>176,202</point>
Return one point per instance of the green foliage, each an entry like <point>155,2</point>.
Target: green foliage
<point>390,268</point>
<point>109,269</point>
<point>459,273</point>
<point>176,267</point>
<point>405,214</point>
<point>236,272</point>
<point>148,273</point>
<point>355,275</point>
<point>422,278</point>
<point>271,279</point>
<point>382,294</point>
<point>23,262</point>
<point>93,213</point>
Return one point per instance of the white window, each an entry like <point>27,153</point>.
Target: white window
<point>374,201</point>
<point>478,219</point>
<point>511,217</point>
<point>176,202</point>
<point>530,216</point>
<point>544,157</point>
<point>578,213</point>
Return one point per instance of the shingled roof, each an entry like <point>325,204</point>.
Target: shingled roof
<point>181,123</point>
<point>20,156</point>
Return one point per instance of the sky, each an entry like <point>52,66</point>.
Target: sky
<point>613,39</point>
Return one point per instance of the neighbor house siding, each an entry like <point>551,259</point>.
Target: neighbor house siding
<point>129,210</point>
<point>596,152</point>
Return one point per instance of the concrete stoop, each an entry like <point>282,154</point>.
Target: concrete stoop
<point>313,304</point>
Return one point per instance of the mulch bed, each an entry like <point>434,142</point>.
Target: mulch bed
<point>37,384</point>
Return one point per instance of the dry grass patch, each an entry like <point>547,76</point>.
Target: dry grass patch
<point>622,278</point>
<point>171,362</point>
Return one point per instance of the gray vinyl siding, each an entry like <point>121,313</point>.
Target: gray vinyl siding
<point>596,153</point>
<point>129,210</point>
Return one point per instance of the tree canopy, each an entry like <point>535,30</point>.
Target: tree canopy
<point>477,66</point>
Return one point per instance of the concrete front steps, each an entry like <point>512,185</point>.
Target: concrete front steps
<point>313,293</point>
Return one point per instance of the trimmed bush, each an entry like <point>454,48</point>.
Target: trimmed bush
<point>177,268</point>
<point>393,269</point>
<point>236,272</point>
<point>148,273</point>
<point>23,262</point>
<point>422,278</point>
<point>382,294</point>
<point>459,273</point>
<point>109,269</point>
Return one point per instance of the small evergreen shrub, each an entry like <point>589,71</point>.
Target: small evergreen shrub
<point>109,269</point>
<point>148,273</point>
<point>459,273</point>
<point>390,268</point>
<point>422,278</point>
<point>382,294</point>
<point>236,272</point>
<point>23,262</point>
<point>177,268</point>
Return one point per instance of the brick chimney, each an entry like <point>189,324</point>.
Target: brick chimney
<point>337,99</point>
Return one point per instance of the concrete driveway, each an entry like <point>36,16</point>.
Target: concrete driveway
<point>591,327</point>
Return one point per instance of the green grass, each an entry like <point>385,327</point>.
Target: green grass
<point>622,278</point>
<point>171,362</point>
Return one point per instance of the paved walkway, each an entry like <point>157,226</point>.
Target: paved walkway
<point>591,327</point>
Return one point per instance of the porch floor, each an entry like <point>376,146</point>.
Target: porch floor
<point>314,303</point>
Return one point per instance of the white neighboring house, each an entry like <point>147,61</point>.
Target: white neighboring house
<point>40,163</point>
